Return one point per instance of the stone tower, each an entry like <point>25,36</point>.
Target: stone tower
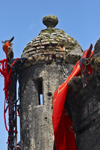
<point>50,55</point>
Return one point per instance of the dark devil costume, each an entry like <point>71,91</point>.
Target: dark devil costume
<point>62,124</point>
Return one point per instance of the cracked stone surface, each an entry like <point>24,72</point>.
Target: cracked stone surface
<point>52,40</point>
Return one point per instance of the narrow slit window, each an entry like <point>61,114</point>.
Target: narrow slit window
<point>40,91</point>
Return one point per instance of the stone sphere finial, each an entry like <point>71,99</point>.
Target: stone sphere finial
<point>50,21</point>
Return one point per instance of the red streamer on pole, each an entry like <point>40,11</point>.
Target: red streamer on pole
<point>7,85</point>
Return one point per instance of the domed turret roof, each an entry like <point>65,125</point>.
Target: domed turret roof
<point>51,41</point>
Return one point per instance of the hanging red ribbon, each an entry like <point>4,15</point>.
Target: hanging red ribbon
<point>7,86</point>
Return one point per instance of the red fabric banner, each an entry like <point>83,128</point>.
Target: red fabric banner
<point>62,125</point>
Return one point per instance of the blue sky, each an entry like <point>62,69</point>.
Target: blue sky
<point>23,20</point>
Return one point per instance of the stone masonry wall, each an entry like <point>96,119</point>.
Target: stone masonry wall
<point>36,120</point>
<point>85,109</point>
